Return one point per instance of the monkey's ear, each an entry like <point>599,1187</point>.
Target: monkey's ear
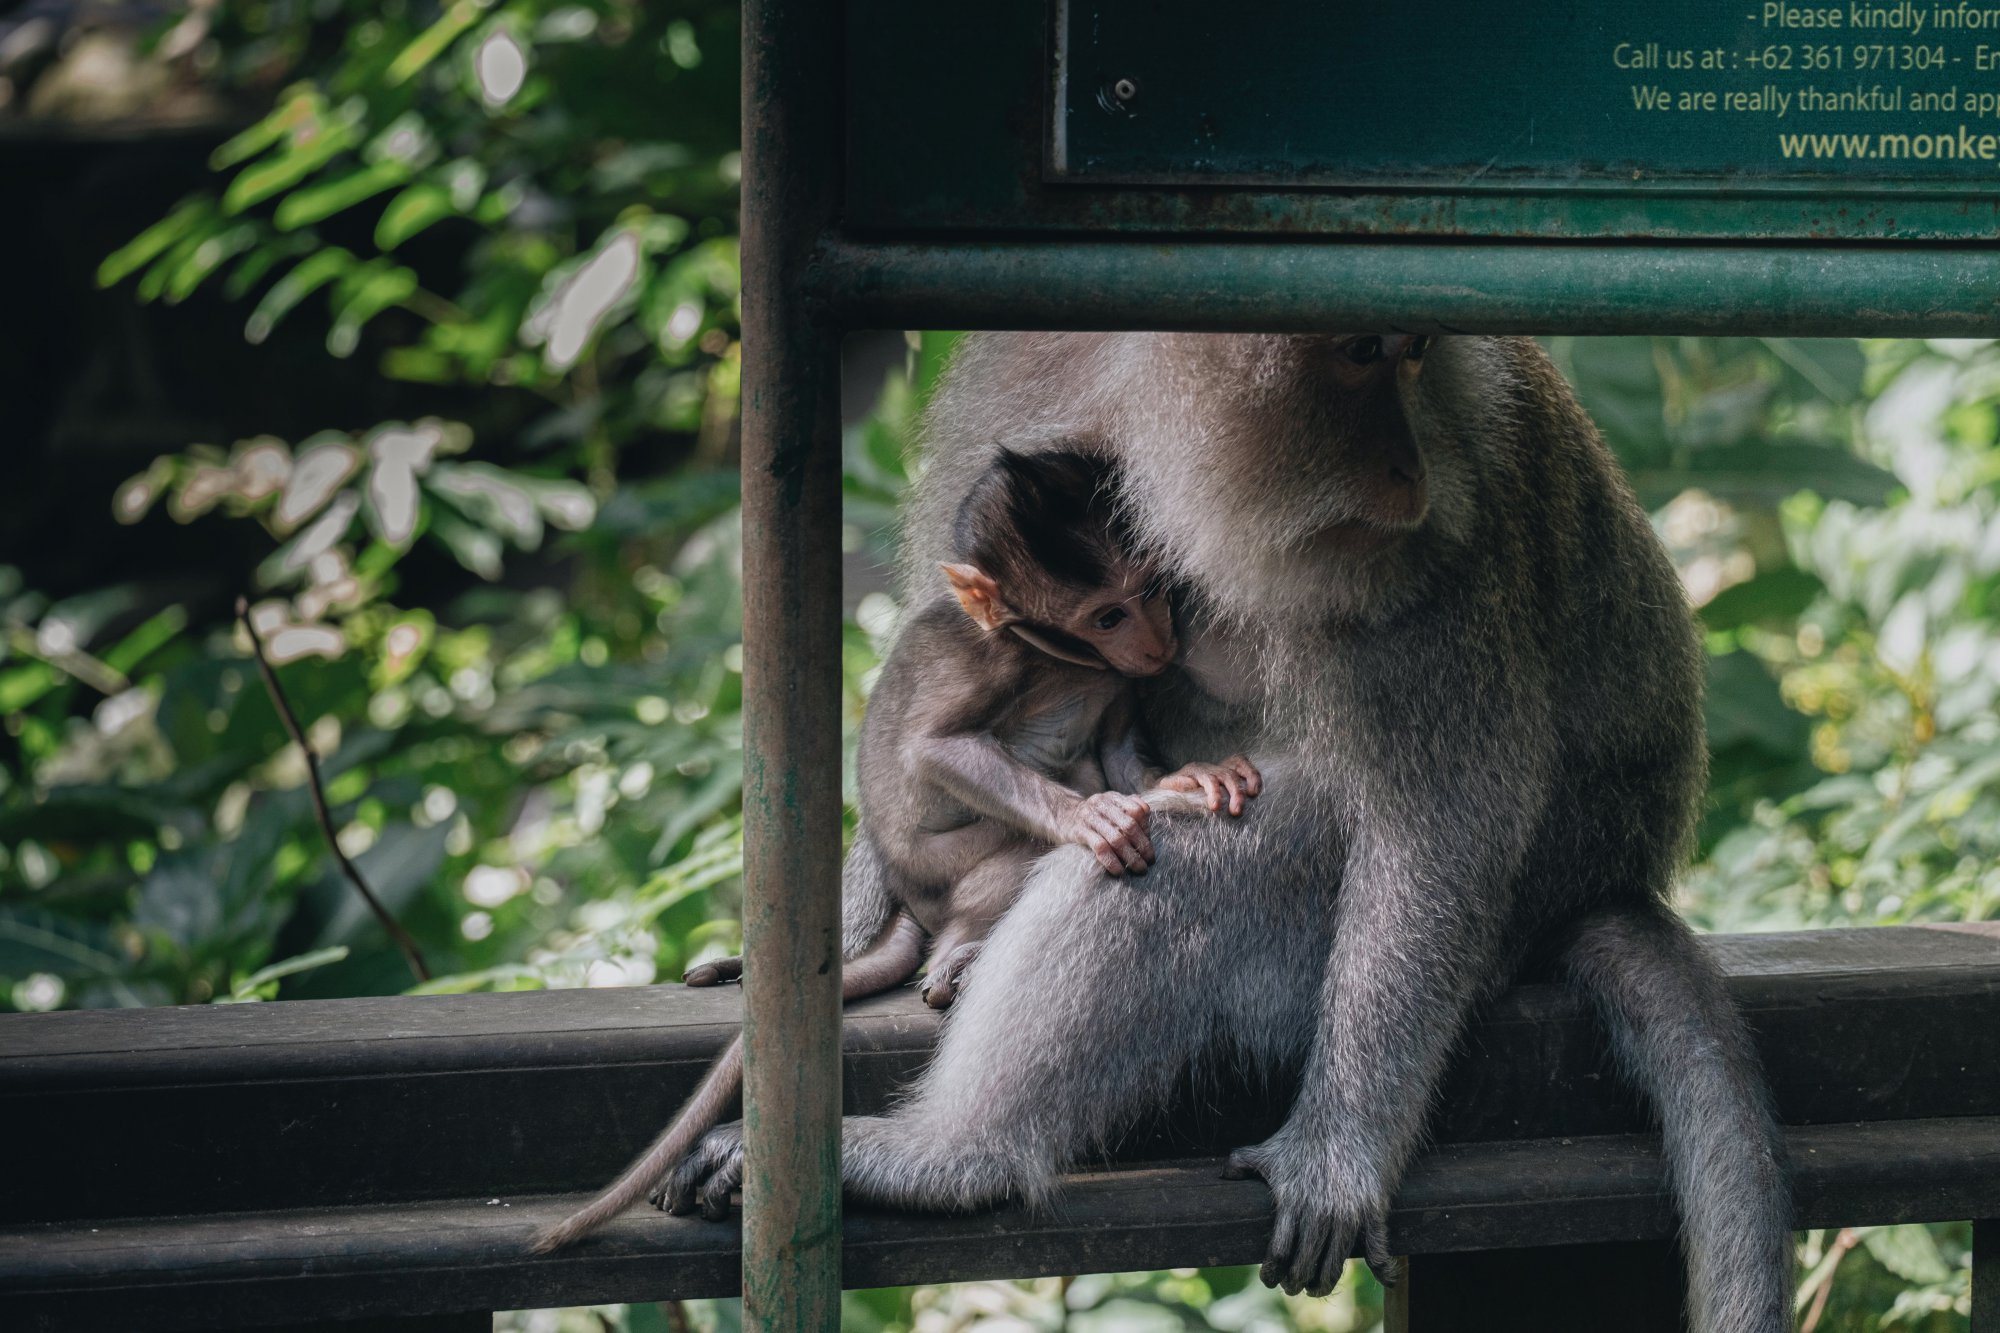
<point>979,595</point>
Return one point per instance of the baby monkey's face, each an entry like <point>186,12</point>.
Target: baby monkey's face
<point>1129,621</point>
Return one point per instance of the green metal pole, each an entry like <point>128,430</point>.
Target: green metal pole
<point>791,677</point>
<point>1281,286</point>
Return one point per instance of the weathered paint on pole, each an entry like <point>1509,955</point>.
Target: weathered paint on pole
<point>791,677</point>
<point>1287,286</point>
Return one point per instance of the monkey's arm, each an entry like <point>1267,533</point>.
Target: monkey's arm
<point>976,770</point>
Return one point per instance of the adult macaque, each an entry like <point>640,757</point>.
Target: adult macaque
<point>992,733</point>
<point>1422,594</point>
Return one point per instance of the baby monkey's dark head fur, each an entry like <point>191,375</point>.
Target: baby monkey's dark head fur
<point>1044,550</point>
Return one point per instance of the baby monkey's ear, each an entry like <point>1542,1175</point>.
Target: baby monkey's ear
<point>979,595</point>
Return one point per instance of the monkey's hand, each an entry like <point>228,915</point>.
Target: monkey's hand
<point>1112,825</point>
<point>1321,1211</point>
<point>707,1176</point>
<point>1228,782</point>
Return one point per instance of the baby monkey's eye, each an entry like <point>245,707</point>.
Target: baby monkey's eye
<point>1109,619</point>
<point>1365,351</point>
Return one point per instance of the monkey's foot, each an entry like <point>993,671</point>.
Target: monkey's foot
<point>1314,1233</point>
<point>714,973</point>
<point>706,1177</point>
<point>946,977</point>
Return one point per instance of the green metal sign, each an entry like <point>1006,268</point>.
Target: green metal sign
<point>1832,96</point>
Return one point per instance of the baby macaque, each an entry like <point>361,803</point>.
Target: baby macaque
<point>1002,725</point>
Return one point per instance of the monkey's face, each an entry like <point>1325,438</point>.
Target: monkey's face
<point>1128,622</point>
<point>1281,474</point>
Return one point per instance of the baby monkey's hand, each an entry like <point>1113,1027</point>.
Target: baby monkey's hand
<point>1113,825</point>
<point>1229,781</point>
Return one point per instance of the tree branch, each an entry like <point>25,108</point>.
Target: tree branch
<point>317,788</point>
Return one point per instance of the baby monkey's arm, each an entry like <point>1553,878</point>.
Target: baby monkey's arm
<point>980,774</point>
<point>1127,767</point>
<point>1225,784</point>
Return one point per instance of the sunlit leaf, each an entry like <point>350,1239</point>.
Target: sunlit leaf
<point>296,106</point>
<point>254,184</point>
<point>412,211</point>
<point>492,495</point>
<point>292,642</point>
<point>474,547</point>
<point>433,41</point>
<point>303,207</point>
<point>206,258</point>
<point>152,634</point>
<point>384,285</point>
<point>317,473</point>
<point>1907,1251</point>
<point>321,536</point>
<point>249,987</point>
<point>399,455</point>
<point>306,277</point>
<point>136,497</point>
<point>154,241</point>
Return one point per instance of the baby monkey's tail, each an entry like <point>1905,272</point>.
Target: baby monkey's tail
<point>891,961</point>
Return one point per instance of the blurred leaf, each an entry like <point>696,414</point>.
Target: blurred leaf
<point>1761,475</point>
<point>37,941</point>
<point>1908,1252</point>
<point>1618,380</point>
<point>154,241</point>
<point>364,294</point>
<point>403,860</point>
<point>1745,708</point>
<point>433,41</point>
<point>302,207</point>
<point>410,212</point>
<point>256,183</point>
<point>306,277</point>
<point>1776,594</point>
<point>206,258</point>
<point>180,898</point>
<point>253,987</point>
<point>1832,368</point>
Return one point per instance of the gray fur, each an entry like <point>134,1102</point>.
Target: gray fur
<point>1482,744</point>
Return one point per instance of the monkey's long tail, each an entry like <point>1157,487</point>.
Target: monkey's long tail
<point>891,961</point>
<point>1676,1035</point>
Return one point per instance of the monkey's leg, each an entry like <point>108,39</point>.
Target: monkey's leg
<point>979,899</point>
<point>1095,995</point>
<point>1677,1036</point>
<point>944,978</point>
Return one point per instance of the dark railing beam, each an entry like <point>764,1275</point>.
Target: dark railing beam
<point>1493,287</point>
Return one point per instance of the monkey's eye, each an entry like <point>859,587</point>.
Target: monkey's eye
<point>1418,346</point>
<point>1110,618</point>
<point>1365,351</point>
